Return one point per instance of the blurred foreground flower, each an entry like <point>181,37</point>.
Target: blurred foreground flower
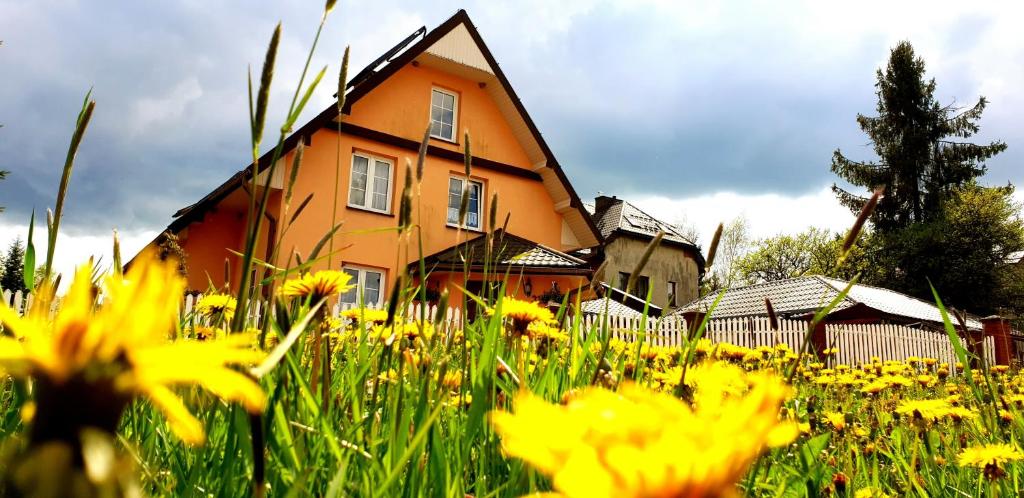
<point>639,443</point>
<point>91,360</point>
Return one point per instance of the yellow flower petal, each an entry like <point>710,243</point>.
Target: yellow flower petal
<point>181,421</point>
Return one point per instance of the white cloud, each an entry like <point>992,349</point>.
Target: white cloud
<point>767,214</point>
<point>169,107</point>
<point>75,249</point>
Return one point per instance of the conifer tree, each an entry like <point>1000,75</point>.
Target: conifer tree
<point>12,277</point>
<point>921,147</point>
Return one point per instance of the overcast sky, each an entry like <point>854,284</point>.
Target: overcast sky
<point>696,111</point>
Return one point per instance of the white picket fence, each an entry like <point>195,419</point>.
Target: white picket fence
<point>857,343</point>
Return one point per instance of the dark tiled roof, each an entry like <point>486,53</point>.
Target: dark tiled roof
<point>625,217</point>
<point>508,250</point>
<point>803,295</point>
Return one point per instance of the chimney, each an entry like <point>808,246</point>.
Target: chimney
<point>603,202</point>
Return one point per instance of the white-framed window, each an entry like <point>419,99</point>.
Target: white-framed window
<point>444,112</point>
<point>369,282</point>
<point>456,188</point>
<point>370,182</point>
<point>671,294</point>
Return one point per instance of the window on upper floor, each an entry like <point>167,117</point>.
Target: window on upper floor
<point>671,294</point>
<point>640,287</point>
<point>643,285</point>
<point>444,112</point>
<point>370,183</point>
<point>369,282</point>
<point>457,187</point>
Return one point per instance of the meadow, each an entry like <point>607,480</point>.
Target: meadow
<point>113,391</point>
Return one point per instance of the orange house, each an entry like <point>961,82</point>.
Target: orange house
<point>446,78</point>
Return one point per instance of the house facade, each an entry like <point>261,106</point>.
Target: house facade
<point>673,272</point>
<point>445,78</point>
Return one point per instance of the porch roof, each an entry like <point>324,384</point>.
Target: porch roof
<point>506,251</point>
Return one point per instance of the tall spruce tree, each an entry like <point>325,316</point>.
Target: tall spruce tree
<point>12,277</point>
<point>921,147</point>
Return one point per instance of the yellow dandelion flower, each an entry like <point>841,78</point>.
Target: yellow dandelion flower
<point>324,283</point>
<point>836,420</point>
<point>408,330</point>
<point>202,333</point>
<point>365,315</point>
<point>90,360</point>
<point>870,492</point>
<point>522,313</point>
<point>544,331</point>
<point>927,409</point>
<point>990,458</point>
<point>452,380</point>
<point>216,305</point>
<point>638,443</point>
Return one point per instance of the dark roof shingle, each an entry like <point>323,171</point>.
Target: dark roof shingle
<point>508,250</point>
<point>620,215</point>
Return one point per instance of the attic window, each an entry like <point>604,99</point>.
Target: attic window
<point>444,106</point>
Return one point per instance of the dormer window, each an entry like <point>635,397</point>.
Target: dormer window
<point>444,106</point>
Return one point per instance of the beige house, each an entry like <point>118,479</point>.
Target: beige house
<point>672,275</point>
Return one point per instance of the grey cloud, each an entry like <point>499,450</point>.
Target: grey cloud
<point>631,101</point>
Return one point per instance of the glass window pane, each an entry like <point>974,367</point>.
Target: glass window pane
<point>473,210</point>
<point>382,170</point>
<point>435,128</point>
<point>371,287</point>
<point>435,114</point>
<point>448,102</point>
<point>357,194</point>
<point>454,199</point>
<point>448,117</point>
<point>446,131</point>
<point>381,177</point>
<point>350,296</point>
<point>436,98</point>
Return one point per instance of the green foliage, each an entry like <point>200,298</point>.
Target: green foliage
<point>812,252</point>
<point>964,252</point>
<point>934,222</point>
<point>733,245</point>
<point>919,144</point>
<point>12,278</point>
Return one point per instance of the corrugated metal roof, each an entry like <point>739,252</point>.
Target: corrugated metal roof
<point>802,295</point>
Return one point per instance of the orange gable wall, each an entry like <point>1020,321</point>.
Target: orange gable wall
<point>401,106</point>
<point>209,242</point>
<point>526,201</point>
